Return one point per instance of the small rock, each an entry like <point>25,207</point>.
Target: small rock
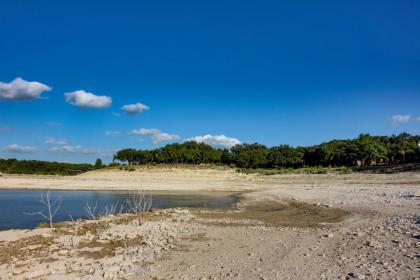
<point>35,274</point>
<point>63,252</point>
<point>33,247</point>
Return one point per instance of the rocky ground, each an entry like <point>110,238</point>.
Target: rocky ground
<point>120,247</point>
<point>304,227</point>
<point>378,239</point>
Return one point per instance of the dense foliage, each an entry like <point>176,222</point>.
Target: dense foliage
<point>366,150</point>
<point>14,166</point>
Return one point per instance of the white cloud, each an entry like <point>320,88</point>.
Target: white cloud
<point>112,133</point>
<point>156,135</point>
<point>53,141</point>
<point>133,109</point>
<point>399,119</point>
<point>18,149</point>
<point>84,99</point>
<point>19,89</point>
<point>116,114</point>
<point>418,119</point>
<point>217,141</point>
<point>74,149</point>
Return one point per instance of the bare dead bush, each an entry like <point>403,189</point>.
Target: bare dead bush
<point>139,202</point>
<point>76,225</point>
<point>91,210</point>
<point>113,209</point>
<point>52,207</point>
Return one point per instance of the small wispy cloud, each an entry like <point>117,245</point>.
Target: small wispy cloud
<point>418,119</point>
<point>84,99</point>
<point>400,119</point>
<point>216,141</point>
<point>74,149</point>
<point>156,135</point>
<point>18,149</point>
<point>19,89</point>
<point>133,109</point>
<point>112,133</point>
<point>116,114</point>
<point>52,141</point>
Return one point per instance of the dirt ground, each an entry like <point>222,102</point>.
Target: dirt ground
<point>352,226</point>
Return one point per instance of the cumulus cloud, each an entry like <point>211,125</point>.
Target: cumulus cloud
<point>112,133</point>
<point>84,99</point>
<point>399,119</point>
<point>53,141</point>
<point>18,149</point>
<point>19,89</point>
<point>74,149</point>
<point>217,141</point>
<point>418,119</point>
<point>156,135</point>
<point>133,109</point>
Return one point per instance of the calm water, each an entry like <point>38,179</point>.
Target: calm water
<point>13,203</point>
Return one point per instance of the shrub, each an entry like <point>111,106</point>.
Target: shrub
<point>344,170</point>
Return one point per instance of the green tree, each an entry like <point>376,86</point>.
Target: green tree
<point>250,155</point>
<point>98,163</point>
<point>285,156</point>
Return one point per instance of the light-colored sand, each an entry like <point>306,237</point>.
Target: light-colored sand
<point>194,179</point>
<point>189,179</point>
<point>379,239</point>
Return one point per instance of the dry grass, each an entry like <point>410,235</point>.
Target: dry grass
<point>21,251</point>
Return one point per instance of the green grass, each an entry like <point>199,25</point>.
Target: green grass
<point>305,170</point>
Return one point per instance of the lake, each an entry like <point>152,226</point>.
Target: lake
<point>14,203</point>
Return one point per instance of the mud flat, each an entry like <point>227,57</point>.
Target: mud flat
<point>356,226</point>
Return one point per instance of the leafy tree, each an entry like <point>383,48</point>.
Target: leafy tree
<point>250,155</point>
<point>126,155</point>
<point>285,156</point>
<point>370,150</point>
<point>98,163</point>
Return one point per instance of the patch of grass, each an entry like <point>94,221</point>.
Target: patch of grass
<point>305,170</point>
<point>108,249</point>
<point>19,249</point>
<point>344,170</point>
<point>389,169</point>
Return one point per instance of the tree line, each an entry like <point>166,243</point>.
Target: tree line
<point>365,150</point>
<point>14,166</point>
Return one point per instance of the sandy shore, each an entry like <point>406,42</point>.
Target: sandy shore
<point>194,179</point>
<point>353,226</point>
<point>187,179</point>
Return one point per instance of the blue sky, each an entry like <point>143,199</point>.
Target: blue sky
<point>295,72</point>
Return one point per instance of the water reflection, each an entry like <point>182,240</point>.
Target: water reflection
<point>13,203</point>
